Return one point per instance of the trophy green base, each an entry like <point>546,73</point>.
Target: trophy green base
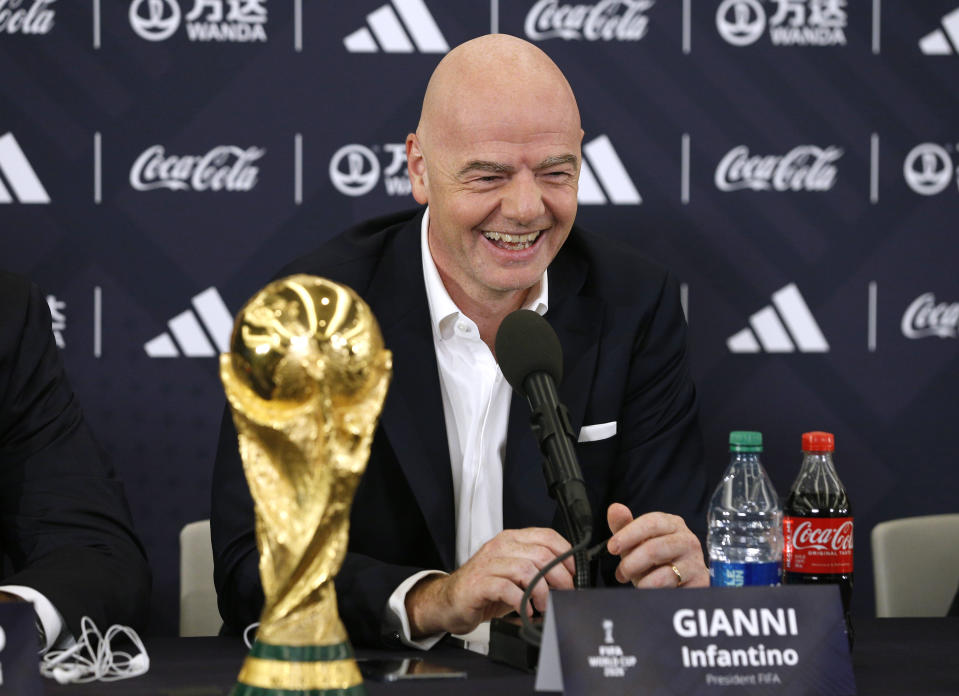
<point>299,670</point>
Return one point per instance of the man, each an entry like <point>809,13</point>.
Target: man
<point>65,529</point>
<point>454,482</point>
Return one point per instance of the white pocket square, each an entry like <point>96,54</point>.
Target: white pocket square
<point>600,431</point>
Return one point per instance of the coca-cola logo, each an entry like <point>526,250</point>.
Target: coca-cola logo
<point>806,536</point>
<point>924,317</point>
<point>607,20</point>
<point>224,168</point>
<point>804,168</point>
<point>18,18</point>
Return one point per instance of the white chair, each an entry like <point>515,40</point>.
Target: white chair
<point>199,615</point>
<point>915,562</point>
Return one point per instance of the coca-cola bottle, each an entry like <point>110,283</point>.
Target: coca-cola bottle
<point>817,524</point>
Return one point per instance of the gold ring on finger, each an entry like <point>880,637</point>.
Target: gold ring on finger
<point>679,576</point>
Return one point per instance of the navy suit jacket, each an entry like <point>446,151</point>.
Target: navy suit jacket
<point>622,330</point>
<point>65,528</point>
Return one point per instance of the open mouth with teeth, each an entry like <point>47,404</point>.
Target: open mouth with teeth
<point>513,242</point>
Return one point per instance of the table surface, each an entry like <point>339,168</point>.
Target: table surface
<point>892,657</point>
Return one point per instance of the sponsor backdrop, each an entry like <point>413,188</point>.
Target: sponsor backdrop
<point>793,161</point>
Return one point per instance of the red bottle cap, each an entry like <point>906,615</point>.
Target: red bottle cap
<point>818,441</point>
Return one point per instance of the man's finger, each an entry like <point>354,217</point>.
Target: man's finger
<point>618,516</point>
<point>659,551</point>
<point>559,577</point>
<point>658,577</point>
<point>643,528</point>
<point>548,539</point>
<point>522,571</point>
<point>503,581</point>
<point>501,596</point>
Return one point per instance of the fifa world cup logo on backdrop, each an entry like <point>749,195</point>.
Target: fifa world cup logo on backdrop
<point>305,379</point>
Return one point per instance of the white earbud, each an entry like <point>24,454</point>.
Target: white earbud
<point>64,674</point>
<point>140,663</point>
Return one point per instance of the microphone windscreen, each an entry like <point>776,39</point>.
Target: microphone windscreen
<point>526,343</point>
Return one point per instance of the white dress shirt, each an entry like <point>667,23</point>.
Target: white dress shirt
<point>476,401</point>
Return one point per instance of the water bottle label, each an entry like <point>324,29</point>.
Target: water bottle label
<point>817,545</point>
<point>743,574</point>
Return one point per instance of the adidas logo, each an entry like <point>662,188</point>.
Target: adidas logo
<point>601,165</point>
<point>945,41</point>
<point>18,174</point>
<point>387,25</point>
<point>773,335</point>
<point>189,333</point>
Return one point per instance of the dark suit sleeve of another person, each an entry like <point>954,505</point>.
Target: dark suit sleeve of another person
<point>65,527</point>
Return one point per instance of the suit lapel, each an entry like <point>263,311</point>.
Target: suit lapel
<point>578,322</point>
<point>412,416</point>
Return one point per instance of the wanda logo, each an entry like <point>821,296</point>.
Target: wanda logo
<point>838,539</point>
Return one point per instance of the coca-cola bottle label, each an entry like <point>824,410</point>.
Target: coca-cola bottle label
<point>817,545</point>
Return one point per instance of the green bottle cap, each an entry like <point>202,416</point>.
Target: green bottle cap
<point>745,441</point>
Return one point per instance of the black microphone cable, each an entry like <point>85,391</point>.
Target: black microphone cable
<point>528,632</point>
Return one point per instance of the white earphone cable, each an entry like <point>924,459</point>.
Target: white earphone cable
<point>92,658</point>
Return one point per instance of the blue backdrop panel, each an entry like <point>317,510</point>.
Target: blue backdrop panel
<point>793,161</point>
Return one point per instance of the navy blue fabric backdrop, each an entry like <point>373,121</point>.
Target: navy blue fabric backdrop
<point>793,161</point>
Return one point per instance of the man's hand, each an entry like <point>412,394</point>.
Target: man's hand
<point>656,550</point>
<point>489,584</point>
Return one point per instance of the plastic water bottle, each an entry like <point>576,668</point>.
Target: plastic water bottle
<point>745,519</point>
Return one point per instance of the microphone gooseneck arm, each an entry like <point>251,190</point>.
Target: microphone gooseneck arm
<point>531,358</point>
<point>564,480</point>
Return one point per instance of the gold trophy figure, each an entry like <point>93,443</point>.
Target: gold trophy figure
<point>305,379</point>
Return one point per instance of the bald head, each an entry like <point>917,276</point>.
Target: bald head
<point>496,156</point>
<point>494,79</point>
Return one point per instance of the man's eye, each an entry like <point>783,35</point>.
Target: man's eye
<point>487,179</point>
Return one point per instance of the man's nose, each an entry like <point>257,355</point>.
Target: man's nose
<point>522,199</point>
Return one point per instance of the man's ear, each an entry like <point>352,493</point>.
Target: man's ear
<point>416,167</point>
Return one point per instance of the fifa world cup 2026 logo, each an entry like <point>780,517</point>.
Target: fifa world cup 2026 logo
<point>306,378</point>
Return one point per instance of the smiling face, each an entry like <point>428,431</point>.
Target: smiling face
<point>496,155</point>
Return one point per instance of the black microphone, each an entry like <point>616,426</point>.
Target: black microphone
<point>531,358</point>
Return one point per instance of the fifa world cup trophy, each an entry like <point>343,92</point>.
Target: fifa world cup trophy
<point>305,379</point>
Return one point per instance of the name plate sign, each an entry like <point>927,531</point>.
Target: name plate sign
<point>19,656</point>
<point>788,641</point>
